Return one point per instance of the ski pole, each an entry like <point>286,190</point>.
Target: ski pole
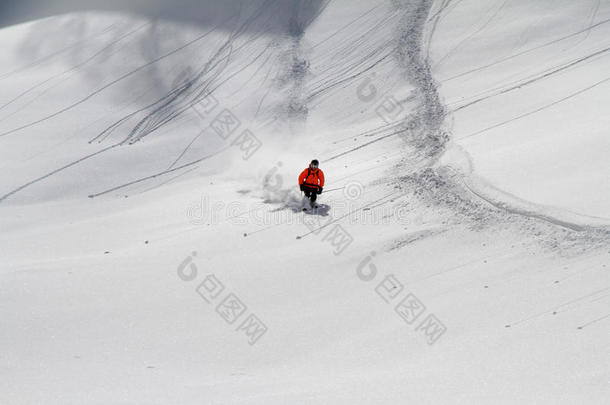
<point>334,189</point>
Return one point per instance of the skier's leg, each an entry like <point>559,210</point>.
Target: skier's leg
<point>306,193</point>
<point>311,194</point>
<point>314,195</point>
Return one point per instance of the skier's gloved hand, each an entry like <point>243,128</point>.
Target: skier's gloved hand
<point>320,190</point>
<point>301,187</point>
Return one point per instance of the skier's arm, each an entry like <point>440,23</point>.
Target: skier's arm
<point>302,176</point>
<point>321,176</point>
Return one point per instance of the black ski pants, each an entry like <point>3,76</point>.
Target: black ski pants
<point>310,192</point>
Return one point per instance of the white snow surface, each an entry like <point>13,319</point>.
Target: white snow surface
<point>460,253</point>
<point>527,86</point>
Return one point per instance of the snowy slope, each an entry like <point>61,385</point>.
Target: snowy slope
<point>527,87</point>
<point>441,267</point>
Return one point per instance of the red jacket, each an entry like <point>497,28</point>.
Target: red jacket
<point>312,177</point>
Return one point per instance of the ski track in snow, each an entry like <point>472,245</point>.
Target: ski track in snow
<point>445,185</point>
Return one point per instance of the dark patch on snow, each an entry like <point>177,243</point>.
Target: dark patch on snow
<point>413,237</point>
<point>322,210</point>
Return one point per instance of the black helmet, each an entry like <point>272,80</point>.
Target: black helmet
<point>314,163</point>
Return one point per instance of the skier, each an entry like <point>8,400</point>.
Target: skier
<point>311,182</point>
